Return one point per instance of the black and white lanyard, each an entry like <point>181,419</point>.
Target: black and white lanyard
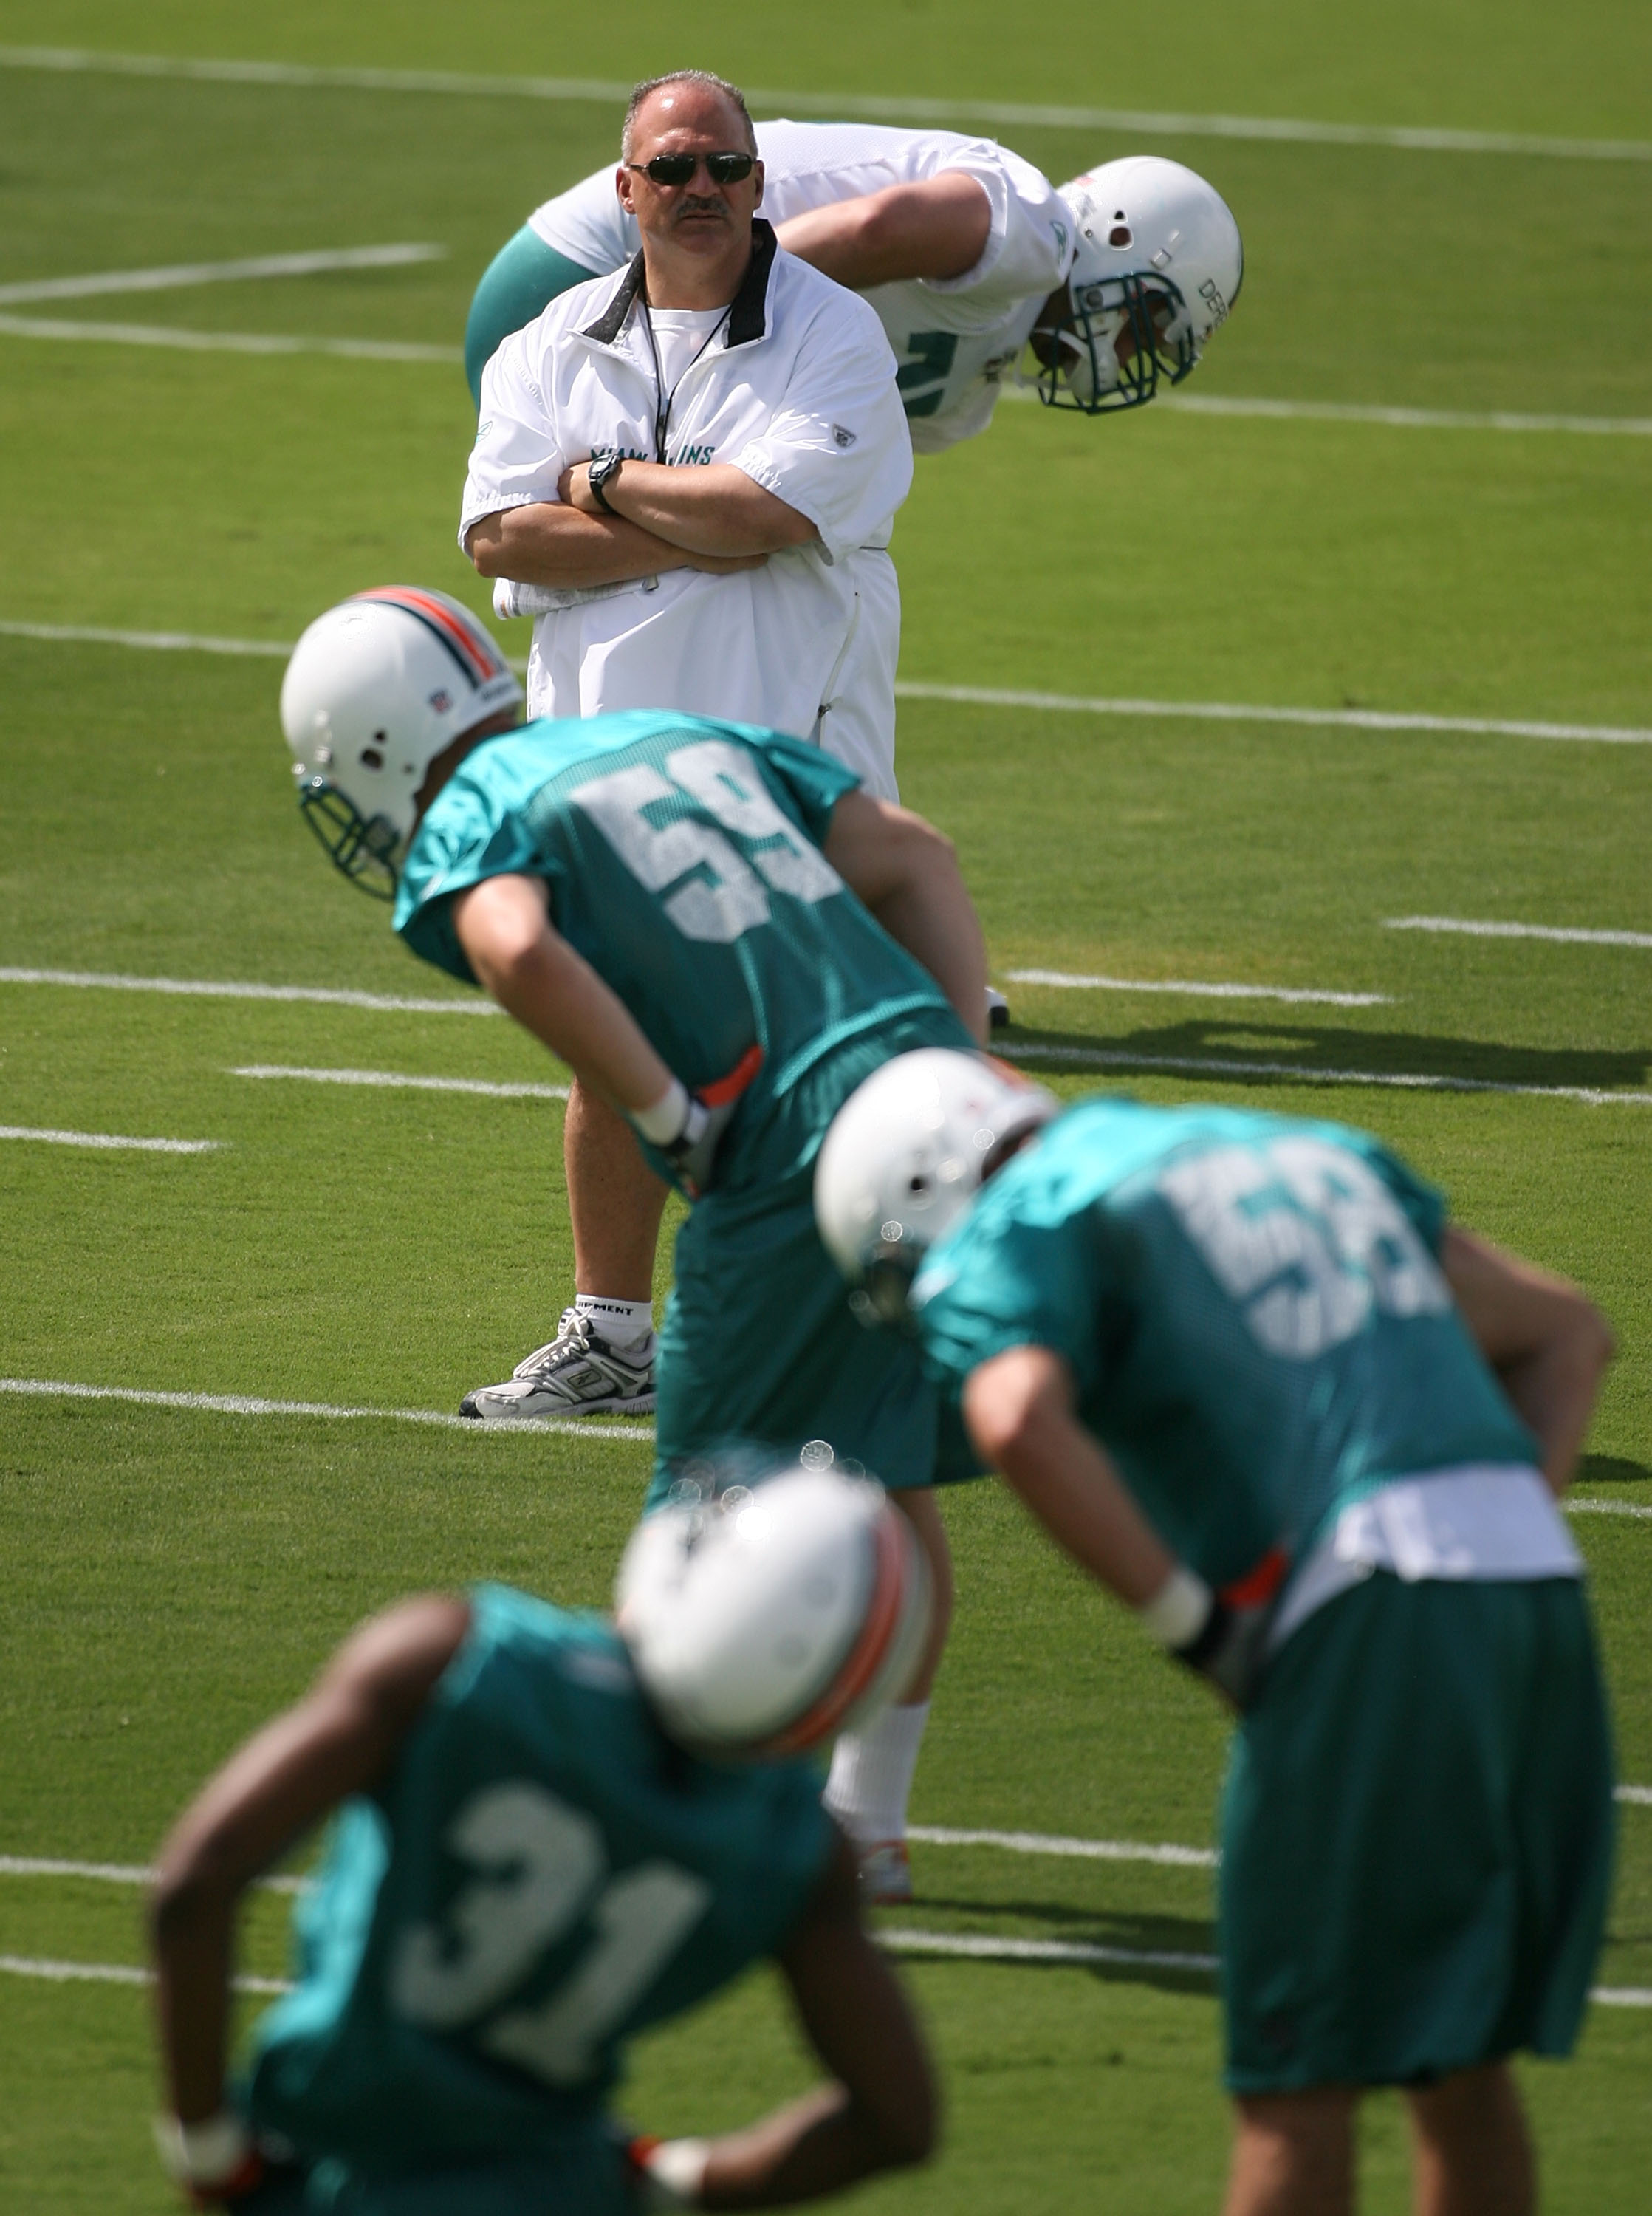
<point>663,399</point>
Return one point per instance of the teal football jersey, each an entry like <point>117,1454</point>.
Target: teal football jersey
<point>543,1876</point>
<point>684,862</point>
<point>1251,1308</point>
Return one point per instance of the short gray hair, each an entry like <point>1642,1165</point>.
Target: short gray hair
<point>731,93</point>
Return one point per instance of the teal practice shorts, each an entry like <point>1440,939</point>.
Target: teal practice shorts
<point>589,2181</point>
<point>1416,1838</point>
<point>760,1347</point>
<point>523,278</point>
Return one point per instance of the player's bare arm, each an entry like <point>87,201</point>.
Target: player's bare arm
<point>537,976</point>
<point>1548,1343</point>
<point>879,2112</point>
<point>555,543</point>
<point>906,872</point>
<point>1019,1410</point>
<point>340,1739</point>
<point>938,229</point>
<point>713,510</point>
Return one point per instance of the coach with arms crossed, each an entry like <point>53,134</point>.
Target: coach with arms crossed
<point>691,466</point>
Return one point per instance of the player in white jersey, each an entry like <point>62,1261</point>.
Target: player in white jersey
<point>965,252</point>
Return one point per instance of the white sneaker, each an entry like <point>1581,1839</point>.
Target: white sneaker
<point>579,1374</point>
<point>885,1874</point>
<point>997,1009</point>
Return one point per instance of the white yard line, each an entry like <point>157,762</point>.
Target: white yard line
<point>244,1404</point>
<point>1563,937</point>
<point>1086,1057</point>
<point>111,1140</point>
<point>1587,1507</point>
<point>191,341</point>
<point>881,107</point>
<point>179,275</point>
<point>977,1947</point>
<point>1395,419</point>
<point>396,1080</point>
<point>1638,1796</point>
<point>1228,711</point>
<point>1184,986</point>
<point>117,1873</point>
<point>969,1946</point>
<point>208,989</point>
<point>116,1973</point>
<point>1042,1843</point>
<point>983,696</point>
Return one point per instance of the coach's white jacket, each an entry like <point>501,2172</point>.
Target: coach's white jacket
<point>798,391</point>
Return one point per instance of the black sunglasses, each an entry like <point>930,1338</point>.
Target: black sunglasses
<point>681,169</point>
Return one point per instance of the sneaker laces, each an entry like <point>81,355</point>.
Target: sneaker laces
<point>573,1337</point>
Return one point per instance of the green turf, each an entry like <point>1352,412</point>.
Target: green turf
<point>174,1575</point>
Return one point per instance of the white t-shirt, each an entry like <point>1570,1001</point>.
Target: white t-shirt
<point>956,338</point>
<point>797,389</point>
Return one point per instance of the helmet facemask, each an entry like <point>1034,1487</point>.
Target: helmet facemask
<point>366,848</point>
<point>1078,355</point>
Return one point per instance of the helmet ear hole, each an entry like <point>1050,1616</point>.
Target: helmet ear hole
<point>1120,235</point>
<point>372,758</point>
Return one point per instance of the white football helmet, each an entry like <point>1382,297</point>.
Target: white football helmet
<point>375,689</point>
<point>904,1157</point>
<point>766,1620</point>
<point>1158,264</point>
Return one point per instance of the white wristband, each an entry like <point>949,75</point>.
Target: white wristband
<point>663,1120</point>
<point>1179,1610</point>
<point>203,2154</point>
<point>676,2173</point>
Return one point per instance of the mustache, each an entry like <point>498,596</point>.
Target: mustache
<point>700,205</point>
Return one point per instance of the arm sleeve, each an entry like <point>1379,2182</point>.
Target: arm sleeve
<point>1029,247</point>
<point>836,448</point>
<point>812,780</point>
<point>1002,1284</point>
<point>462,841</point>
<point>1424,1204</point>
<point>516,460</point>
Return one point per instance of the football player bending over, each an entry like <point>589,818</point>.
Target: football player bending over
<point>722,936</point>
<point>1243,1368</point>
<point>550,1833</point>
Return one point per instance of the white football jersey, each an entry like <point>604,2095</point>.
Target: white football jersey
<point>955,340</point>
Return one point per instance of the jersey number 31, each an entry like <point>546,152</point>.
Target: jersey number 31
<point>540,1865</point>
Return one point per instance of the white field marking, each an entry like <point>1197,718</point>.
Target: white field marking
<point>1589,1507</point>
<point>272,342</point>
<point>169,642</point>
<point>405,350</point>
<point>244,1404</point>
<point>116,1973</point>
<point>112,1140</point>
<point>1201,992</point>
<point>1363,411</point>
<point>1639,1797</point>
<point>395,1079</point>
<point>1566,937</point>
<point>982,696</point>
<point>179,274</point>
<point>1086,1057</point>
<point>876,107</point>
<point>976,1946</point>
<point>1226,711</point>
<point>968,1945</point>
<point>118,1872</point>
<point>1041,1843</point>
<point>214,989</point>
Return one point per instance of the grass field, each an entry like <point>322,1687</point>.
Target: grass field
<point>177,1572</point>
